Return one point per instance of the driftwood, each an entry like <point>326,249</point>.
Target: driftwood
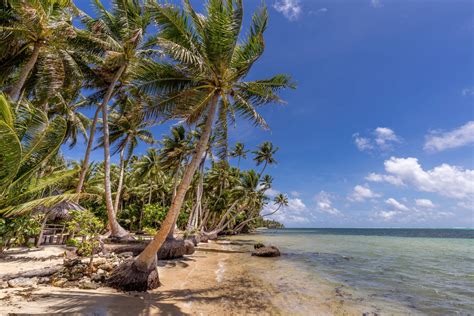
<point>33,273</point>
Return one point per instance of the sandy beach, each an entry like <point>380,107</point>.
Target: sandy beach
<point>220,278</point>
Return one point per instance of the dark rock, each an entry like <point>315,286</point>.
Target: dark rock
<point>203,238</point>
<point>270,251</point>
<point>69,263</point>
<point>258,245</point>
<point>172,249</point>
<point>126,254</point>
<point>189,247</point>
<point>194,239</point>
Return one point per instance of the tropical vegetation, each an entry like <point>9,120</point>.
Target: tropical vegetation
<point>109,79</point>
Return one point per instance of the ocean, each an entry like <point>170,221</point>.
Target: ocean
<point>417,271</point>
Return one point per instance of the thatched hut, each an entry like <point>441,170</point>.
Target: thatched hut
<point>58,212</point>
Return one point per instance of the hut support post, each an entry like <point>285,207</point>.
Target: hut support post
<point>43,224</point>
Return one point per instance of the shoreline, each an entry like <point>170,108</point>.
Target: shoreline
<point>224,280</point>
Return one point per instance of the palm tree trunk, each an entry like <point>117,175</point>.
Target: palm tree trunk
<point>116,229</point>
<point>261,172</point>
<point>90,142</point>
<point>120,184</point>
<point>25,71</point>
<point>241,225</point>
<point>146,259</point>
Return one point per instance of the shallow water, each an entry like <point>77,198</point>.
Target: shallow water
<point>426,271</point>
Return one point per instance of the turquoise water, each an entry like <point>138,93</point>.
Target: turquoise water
<point>428,271</point>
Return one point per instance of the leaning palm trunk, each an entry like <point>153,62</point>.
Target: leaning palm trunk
<point>141,274</point>
<point>116,230</point>
<point>194,217</point>
<point>90,142</point>
<point>25,71</point>
<point>242,225</point>
<point>122,174</point>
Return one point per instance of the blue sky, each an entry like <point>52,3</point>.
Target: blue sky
<point>380,130</point>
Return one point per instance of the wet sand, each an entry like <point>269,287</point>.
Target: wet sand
<point>205,283</point>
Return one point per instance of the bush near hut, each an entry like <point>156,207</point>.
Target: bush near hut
<point>84,224</point>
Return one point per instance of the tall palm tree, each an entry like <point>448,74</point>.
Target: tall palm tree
<point>280,201</point>
<point>126,131</point>
<point>41,31</point>
<point>119,35</point>
<point>264,154</point>
<point>205,79</point>
<point>239,152</point>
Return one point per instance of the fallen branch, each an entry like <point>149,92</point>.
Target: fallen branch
<point>33,273</point>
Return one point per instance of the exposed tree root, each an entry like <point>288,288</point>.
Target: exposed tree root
<point>127,277</point>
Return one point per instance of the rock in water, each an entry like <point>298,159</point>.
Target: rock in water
<point>258,245</point>
<point>23,282</point>
<point>172,249</point>
<point>270,251</point>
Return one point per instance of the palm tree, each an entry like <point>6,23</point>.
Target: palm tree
<point>280,200</point>
<point>43,29</point>
<point>204,80</point>
<point>126,131</point>
<point>27,140</point>
<point>239,152</point>
<point>264,154</point>
<point>119,34</point>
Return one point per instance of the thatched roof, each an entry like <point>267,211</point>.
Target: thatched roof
<point>61,210</point>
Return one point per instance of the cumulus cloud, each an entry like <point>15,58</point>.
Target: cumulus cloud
<point>461,136</point>
<point>382,138</point>
<point>295,193</point>
<point>396,205</point>
<point>376,177</point>
<point>295,205</point>
<point>446,180</point>
<point>386,215</point>
<point>361,193</point>
<point>295,212</point>
<point>272,192</point>
<point>425,203</point>
<point>291,9</point>
<point>324,203</point>
<point>362,143</point>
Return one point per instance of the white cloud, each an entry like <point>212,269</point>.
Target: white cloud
<point>458,137</point>
<point>295,193</point>
<point>362,143</point>
<point>386,215</point>
<point>272,192</point>
<point>361,193</point>
<point>382,139</point>
<point>424,203</point>
<point>468,91</point>
<point>396,205</point>
<point>375,3</point>
<point>446,180</point>
<point>384,136</point>
<point>324,203</point>
<point>295,205</point>
<point>291,9</point>
<point>295,212</point>
<point>375,177</point>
